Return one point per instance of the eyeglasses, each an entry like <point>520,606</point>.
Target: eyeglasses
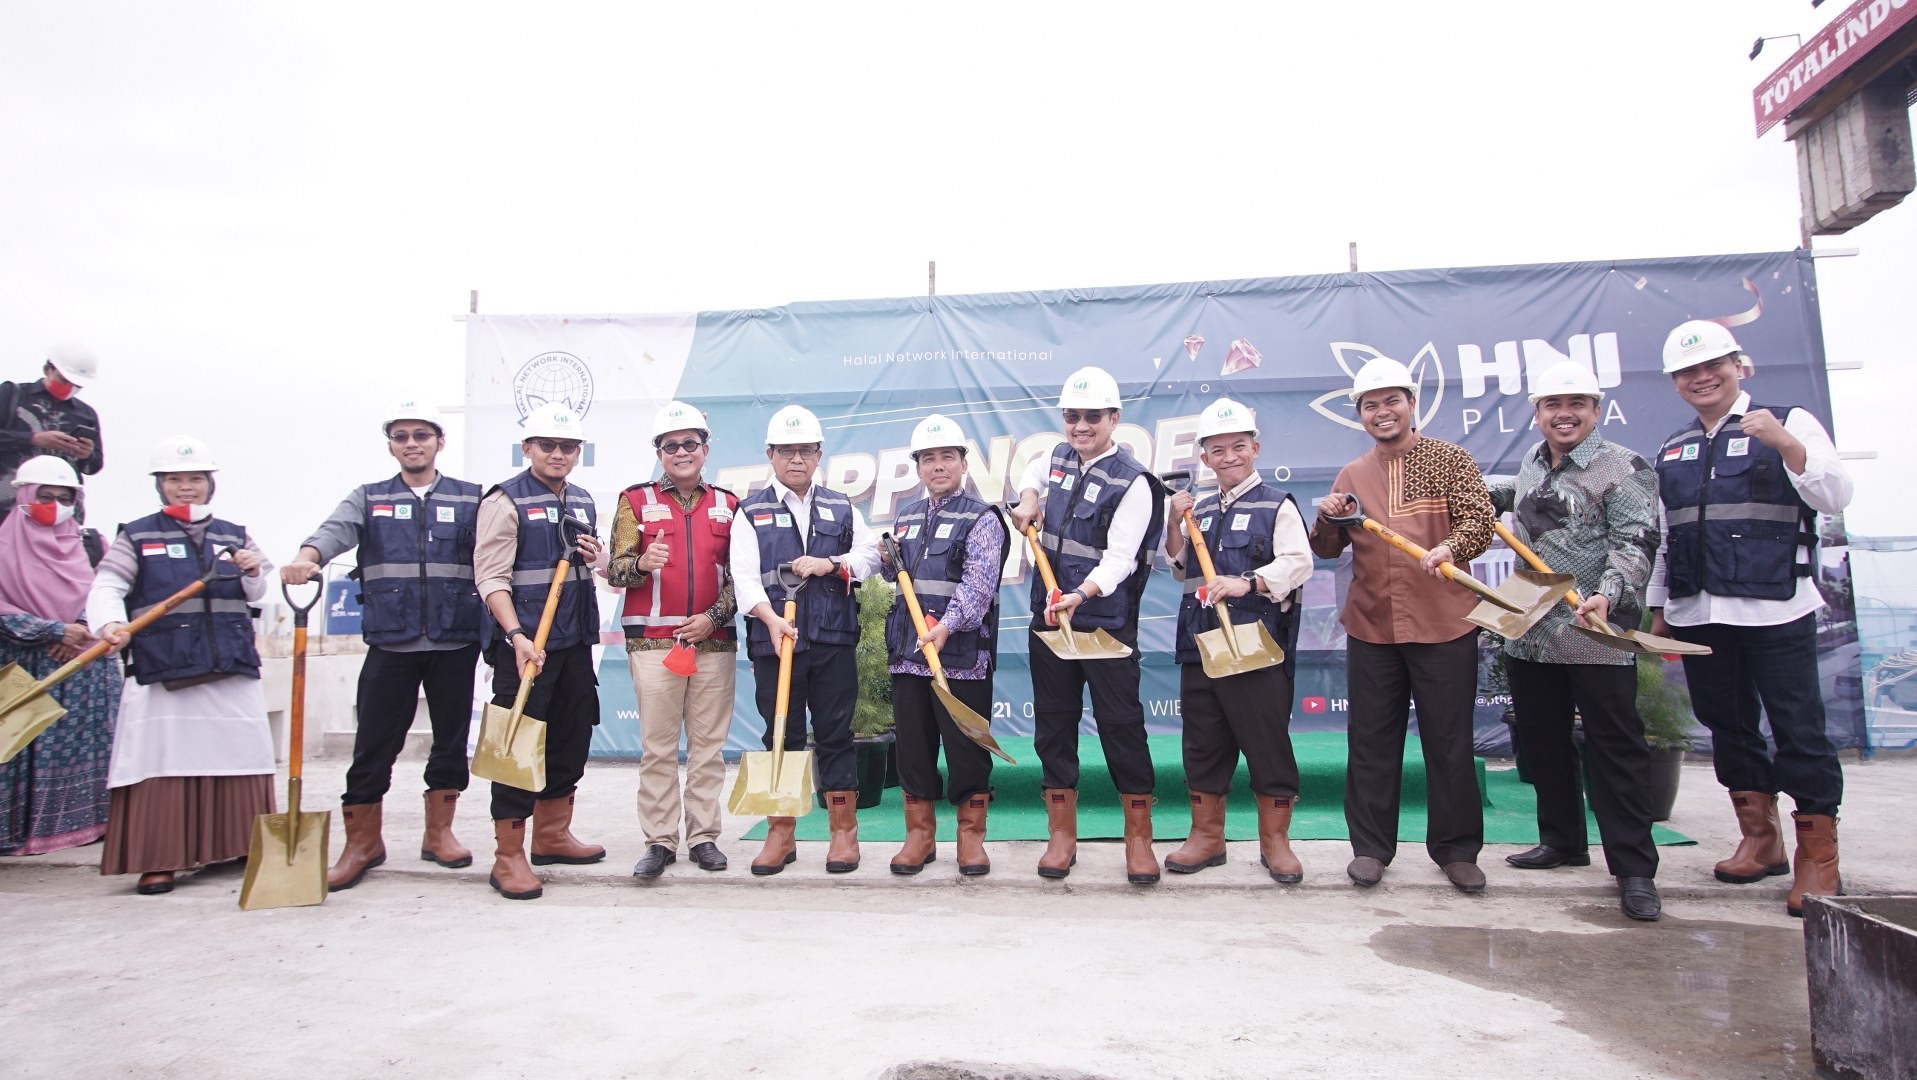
<point>686,447</point>
<point>1088,416</point>
<point>546,446</point>
<point>795,453</point>
<point>420,436</point>
<point>64,498</point>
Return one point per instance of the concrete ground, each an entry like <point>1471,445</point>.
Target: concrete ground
<point>425,972</point>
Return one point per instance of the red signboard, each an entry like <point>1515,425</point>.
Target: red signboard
<point>1860,28</point>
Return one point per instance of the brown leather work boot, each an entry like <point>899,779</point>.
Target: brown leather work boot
<point>1274,839</point>
<point>1141,866</point>
<point>921,844</point>
<point>440,845</point>
<point>779,851</point>
<point>972,859</point>
<point>1061,824</point>
<point>364,848</point>
<point>842,817</point>
<point>1815,863</point>
<point>1760,854</point>
<point>512,875</point>
<point>553,841</point>
<point>1205,844</point>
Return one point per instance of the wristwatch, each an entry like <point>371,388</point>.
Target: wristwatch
<point>517,631</point>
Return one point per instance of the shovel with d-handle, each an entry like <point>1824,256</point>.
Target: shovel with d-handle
<point>286,864</point>
<point>777,783</point>
<point>29,711</point>
<point>1068,643</point>
<point>1232,648</point>
<point>512,745</point>
<point>976,727</point>
<point>1630,641</point>
<point>1526,592</point>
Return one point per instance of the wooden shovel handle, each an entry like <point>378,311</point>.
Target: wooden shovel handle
<point>1531,558</point>
<point>296,711</point>
<point>782,699</point>
<point>1198,547</point>
<point>1039,560</point>
<point>912,605</point>
<point>99,648</point>
<point>529,672</point>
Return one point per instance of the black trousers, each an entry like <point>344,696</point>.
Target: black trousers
<point>922,724</point>
<point>1383,682</point>
<point>389,685</point>
<point>1249,714</point>
<point>825,685</point>
<point>1775,667</point>
<point>1605,695</point>
<point>1058,701</point>
<point>565,694</point>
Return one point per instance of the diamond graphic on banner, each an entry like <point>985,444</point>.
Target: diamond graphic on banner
<point>1192,344</point>
<point>1243,357</point>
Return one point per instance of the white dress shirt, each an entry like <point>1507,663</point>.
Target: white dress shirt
<point>1290,566</point>
<point>1823,485</point>
<point>1129,521</point>
<point>862,559</point>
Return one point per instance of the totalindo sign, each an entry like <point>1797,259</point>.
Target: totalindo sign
<point>1474,339</point>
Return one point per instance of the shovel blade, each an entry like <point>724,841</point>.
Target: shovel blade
<point>765,788</point>
<point>29,715</point>
<point>515,758</point>
<point>1250,648</point>
<point>975,727</point>
<point>285,866</point>
<point>1637,641</point>
<point>1084,644</point>
<point>1515,607</point>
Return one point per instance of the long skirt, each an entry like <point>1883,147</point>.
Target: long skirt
<point>54,794</point>
<point>183,822</point>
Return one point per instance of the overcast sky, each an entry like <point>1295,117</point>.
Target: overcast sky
<point>264,217</point>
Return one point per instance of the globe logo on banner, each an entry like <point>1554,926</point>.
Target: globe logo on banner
<point>1426,372</point>
<point>550,377</point>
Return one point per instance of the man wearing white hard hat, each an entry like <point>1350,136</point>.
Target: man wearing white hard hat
<point>953,547</point>
<point>816,530</point>
<point>1099,513</point>
<point>421,618</point>
<point>1588,507</point>
<point>1256,537</point>
<point>1405,637</point>
<point>671,543</point>
<point>192,754</point>
<point>47,417</point>
<point>1741,487</point>
<point>526,525</point>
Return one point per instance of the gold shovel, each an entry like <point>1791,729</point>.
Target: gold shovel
<point>29,711</point>
<point>976,727</point>
<point>286,864</point>
<point>512,746</point>
<point>1526,593</point>
<point>1232,648</point>
<point>767,786</point>
<point>1630,641</point>
<point>1068,643</point>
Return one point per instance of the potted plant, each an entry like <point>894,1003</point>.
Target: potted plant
<point>1665,708</point>
<point>872,736</point>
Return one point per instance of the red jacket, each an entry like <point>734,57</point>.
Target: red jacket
<point>692,579</point>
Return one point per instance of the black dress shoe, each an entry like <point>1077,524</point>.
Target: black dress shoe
<point>1466,876</point>
<point>708,856</point>
<point>654,861</point>
<point>1638,897</point>
<point>1365,871</point>
<point>1545,857</point>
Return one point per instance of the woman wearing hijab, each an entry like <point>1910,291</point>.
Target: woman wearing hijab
<point>192,756</point>
<point>53,795</point>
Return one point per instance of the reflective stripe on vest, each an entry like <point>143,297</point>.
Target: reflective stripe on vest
<point>211,633</point>
<point>542,541</point>
<point>933,548</point>
<point>828,606</point>
<point>416,562</point>
<point>1078,509</point>
<point>695,575</point>
<point>1236,551</point>
<point>1735,525</point>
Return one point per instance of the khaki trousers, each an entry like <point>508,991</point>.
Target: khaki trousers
<point>700,706</point>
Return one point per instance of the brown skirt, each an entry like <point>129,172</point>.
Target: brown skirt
<point>182,822</point>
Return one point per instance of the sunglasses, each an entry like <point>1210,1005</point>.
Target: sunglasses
<point>687,446</point>
<point>796,453</point>
<point>403,437</point>
<point>567,447</point>
<point>1088,416</point>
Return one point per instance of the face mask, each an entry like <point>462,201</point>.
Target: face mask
<point>60,388</point>
<point>52,513</point>
<point>195,512</point>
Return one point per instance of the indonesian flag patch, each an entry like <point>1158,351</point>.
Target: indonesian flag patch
<point>761,519</point>
<point>382,509</point>
<point>1673,453</point>
<point>152,549</point>
<point>536,514</point>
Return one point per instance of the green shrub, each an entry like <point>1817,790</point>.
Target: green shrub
<point>873,714</point>
<point>1664,706</point>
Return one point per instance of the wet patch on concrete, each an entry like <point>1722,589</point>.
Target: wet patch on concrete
<point>1688,998</point>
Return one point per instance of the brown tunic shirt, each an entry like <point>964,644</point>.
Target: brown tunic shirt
<point>1430,493</point>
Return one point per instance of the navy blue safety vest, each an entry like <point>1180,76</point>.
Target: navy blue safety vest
<point>828,606</point>
<point>1240,541</point>
<point>209,634</point>
<point>932,547</point>
<point>1078,514</point>
<point>416,562</point>
<point>1734,522</point>
<point>542,540</point>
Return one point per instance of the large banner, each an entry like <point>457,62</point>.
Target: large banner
<point>1473,337</point>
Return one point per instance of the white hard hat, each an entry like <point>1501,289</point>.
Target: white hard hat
<point>182,453</point>
<point>1380,372</point>
<point>935,431</point>
<point>1225,416</point>
<point>554,420</point>
<point>46,469</point>
<point>411,408</point>
<point>76,363</point>
<point>793,425</point>
<point>678,416</point>
<point>1694,342</point>
<point>1564,378</point>
<point>1089,388</point>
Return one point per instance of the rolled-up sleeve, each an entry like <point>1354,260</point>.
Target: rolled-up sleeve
<point>495,545</point>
